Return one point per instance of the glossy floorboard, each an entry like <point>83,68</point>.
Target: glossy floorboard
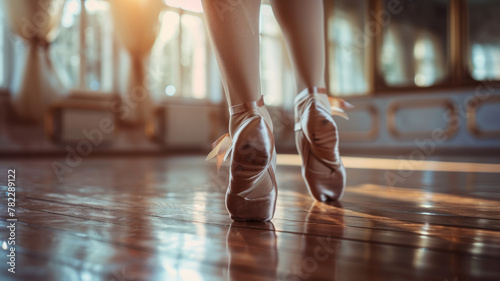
<point>128,219</point>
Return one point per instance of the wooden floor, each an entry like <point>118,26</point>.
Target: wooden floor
<point>163,218</point>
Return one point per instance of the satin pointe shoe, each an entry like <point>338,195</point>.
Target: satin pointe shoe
<point>252,191</point>
<point>317,142</point>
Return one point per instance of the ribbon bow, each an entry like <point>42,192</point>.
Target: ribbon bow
<point>338,105</point>
<point>221,148</point>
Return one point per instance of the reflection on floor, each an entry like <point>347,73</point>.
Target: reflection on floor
<point>128,219</point>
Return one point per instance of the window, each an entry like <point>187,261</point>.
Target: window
<point>3,41</point>
<point>96,60</point>
<point>98,46</point>
<point>415,44</point>
<point>193,56</point>
<point>65,50</point>
<point>384,46</point>
<point>276,75</point>
<point>347,48</point>
<point>180,55</point>
<point>165,56</point>
<point>180,58</point>
<point>484,62</point>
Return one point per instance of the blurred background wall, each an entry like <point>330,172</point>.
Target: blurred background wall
<point>135,76</point>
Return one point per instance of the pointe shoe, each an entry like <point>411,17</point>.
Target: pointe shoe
<point>317,142</point>
<point>252,191</point>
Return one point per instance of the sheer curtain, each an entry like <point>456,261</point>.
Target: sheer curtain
<point>37,86</point>
<point>136,23</point>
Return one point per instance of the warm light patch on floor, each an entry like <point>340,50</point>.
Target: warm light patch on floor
<point>401,164</point>
<point>422,198</point>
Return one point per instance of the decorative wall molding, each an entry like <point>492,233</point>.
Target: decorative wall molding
<point>368,135</point>
<point>472,124</point>
<point>399,105</point>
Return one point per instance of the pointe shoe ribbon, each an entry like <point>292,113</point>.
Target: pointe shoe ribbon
<point>221,148</point>
<point>338,106</point>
